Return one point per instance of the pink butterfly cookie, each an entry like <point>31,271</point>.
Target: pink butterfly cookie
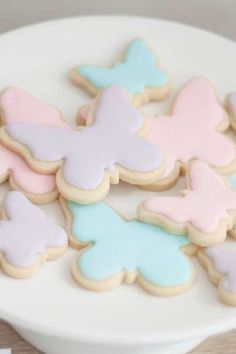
<point>206,211</point>
<point>220,262</point>
<point>17,106</point>
<point>193,130</point>
<point>88,159</point>
<point>27,238</point>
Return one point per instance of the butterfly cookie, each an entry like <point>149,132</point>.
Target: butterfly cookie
<point>138,74</point>
<point>87,159</point>
<point>16,106</point>
<point>119,251</point>
<point>220,262</point>
<point>194,130</point>
<point>205,211</point>
<point>27,238</point>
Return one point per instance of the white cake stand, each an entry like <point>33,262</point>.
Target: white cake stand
<point>50,310</point>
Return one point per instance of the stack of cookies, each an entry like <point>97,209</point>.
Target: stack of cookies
<point>45,158</point>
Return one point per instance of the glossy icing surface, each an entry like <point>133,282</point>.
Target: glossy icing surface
<point>138,71</point>
<point>18,106</point>
<point>207,202</point>
<point>131,246</point>
<point>111,140</point>
<point>191,130</point>
<point>224,262</point>
<point>27,232</point>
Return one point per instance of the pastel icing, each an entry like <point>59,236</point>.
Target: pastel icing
<point>232,182</point>
<point>111,141</point>
<point>17,106</point>
<point>30,181</point>
<point>191,130</point>
<point>26,233</point>
<point>231,102</point>
<point>208,201</point>
<point>138,71</point>
<point>224,262</point>
<point>131,246</point>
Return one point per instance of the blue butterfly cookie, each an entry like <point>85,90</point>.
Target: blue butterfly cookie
<point>117,250</point>
<point>138,74</point>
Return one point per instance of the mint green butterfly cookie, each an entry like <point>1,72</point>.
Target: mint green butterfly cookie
<point>138,74</point>
<point>126,251</point>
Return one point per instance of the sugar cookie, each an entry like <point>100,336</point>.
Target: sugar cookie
<point>194,130</point>
<point>205,211</point>
<point>87,159</point>
<point>27,238</point>
<point>138,74</point>
<point>18,106</point>
<point>220,262</point>
<point>126,251</point>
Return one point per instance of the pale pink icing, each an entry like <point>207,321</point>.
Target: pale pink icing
<point>23,175</point>
<point>224,262</point>
<point>27,233</point>
<point>204,206</point>
<point>190,132</point>
<point>18,106</point>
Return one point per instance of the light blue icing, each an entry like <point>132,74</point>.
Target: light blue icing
<point>139,70</point>
<point>232,182</point>
<point>127,245</point>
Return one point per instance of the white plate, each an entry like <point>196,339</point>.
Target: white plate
<point>38,58</point>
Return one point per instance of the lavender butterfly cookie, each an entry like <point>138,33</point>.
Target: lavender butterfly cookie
<point>138,74</point>
<point>220,262</point>
<point>126,251</point>
<point>87,159</point>
<point>27,238</point>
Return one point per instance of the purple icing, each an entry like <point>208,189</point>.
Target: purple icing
<point>110,141</point>
<point>27,232</point>
<point>224,261</point>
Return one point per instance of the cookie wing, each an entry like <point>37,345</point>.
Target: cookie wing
<point>197,102</point>
<point>44,142</point>
<point>17,106</point>
<point>115,114</point>
<point>92,222</point>
<point>18,207</point>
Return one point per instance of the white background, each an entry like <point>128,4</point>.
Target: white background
<point>215,15</point>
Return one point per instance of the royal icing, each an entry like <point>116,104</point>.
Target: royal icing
<point>224,262</point>
<point>138,71</point>
<point>17,106</point>
<point>191,130</point>
<point>208,201</point>
<point>27,233</point>
<point>131,246</point>
<point>111,141</point>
